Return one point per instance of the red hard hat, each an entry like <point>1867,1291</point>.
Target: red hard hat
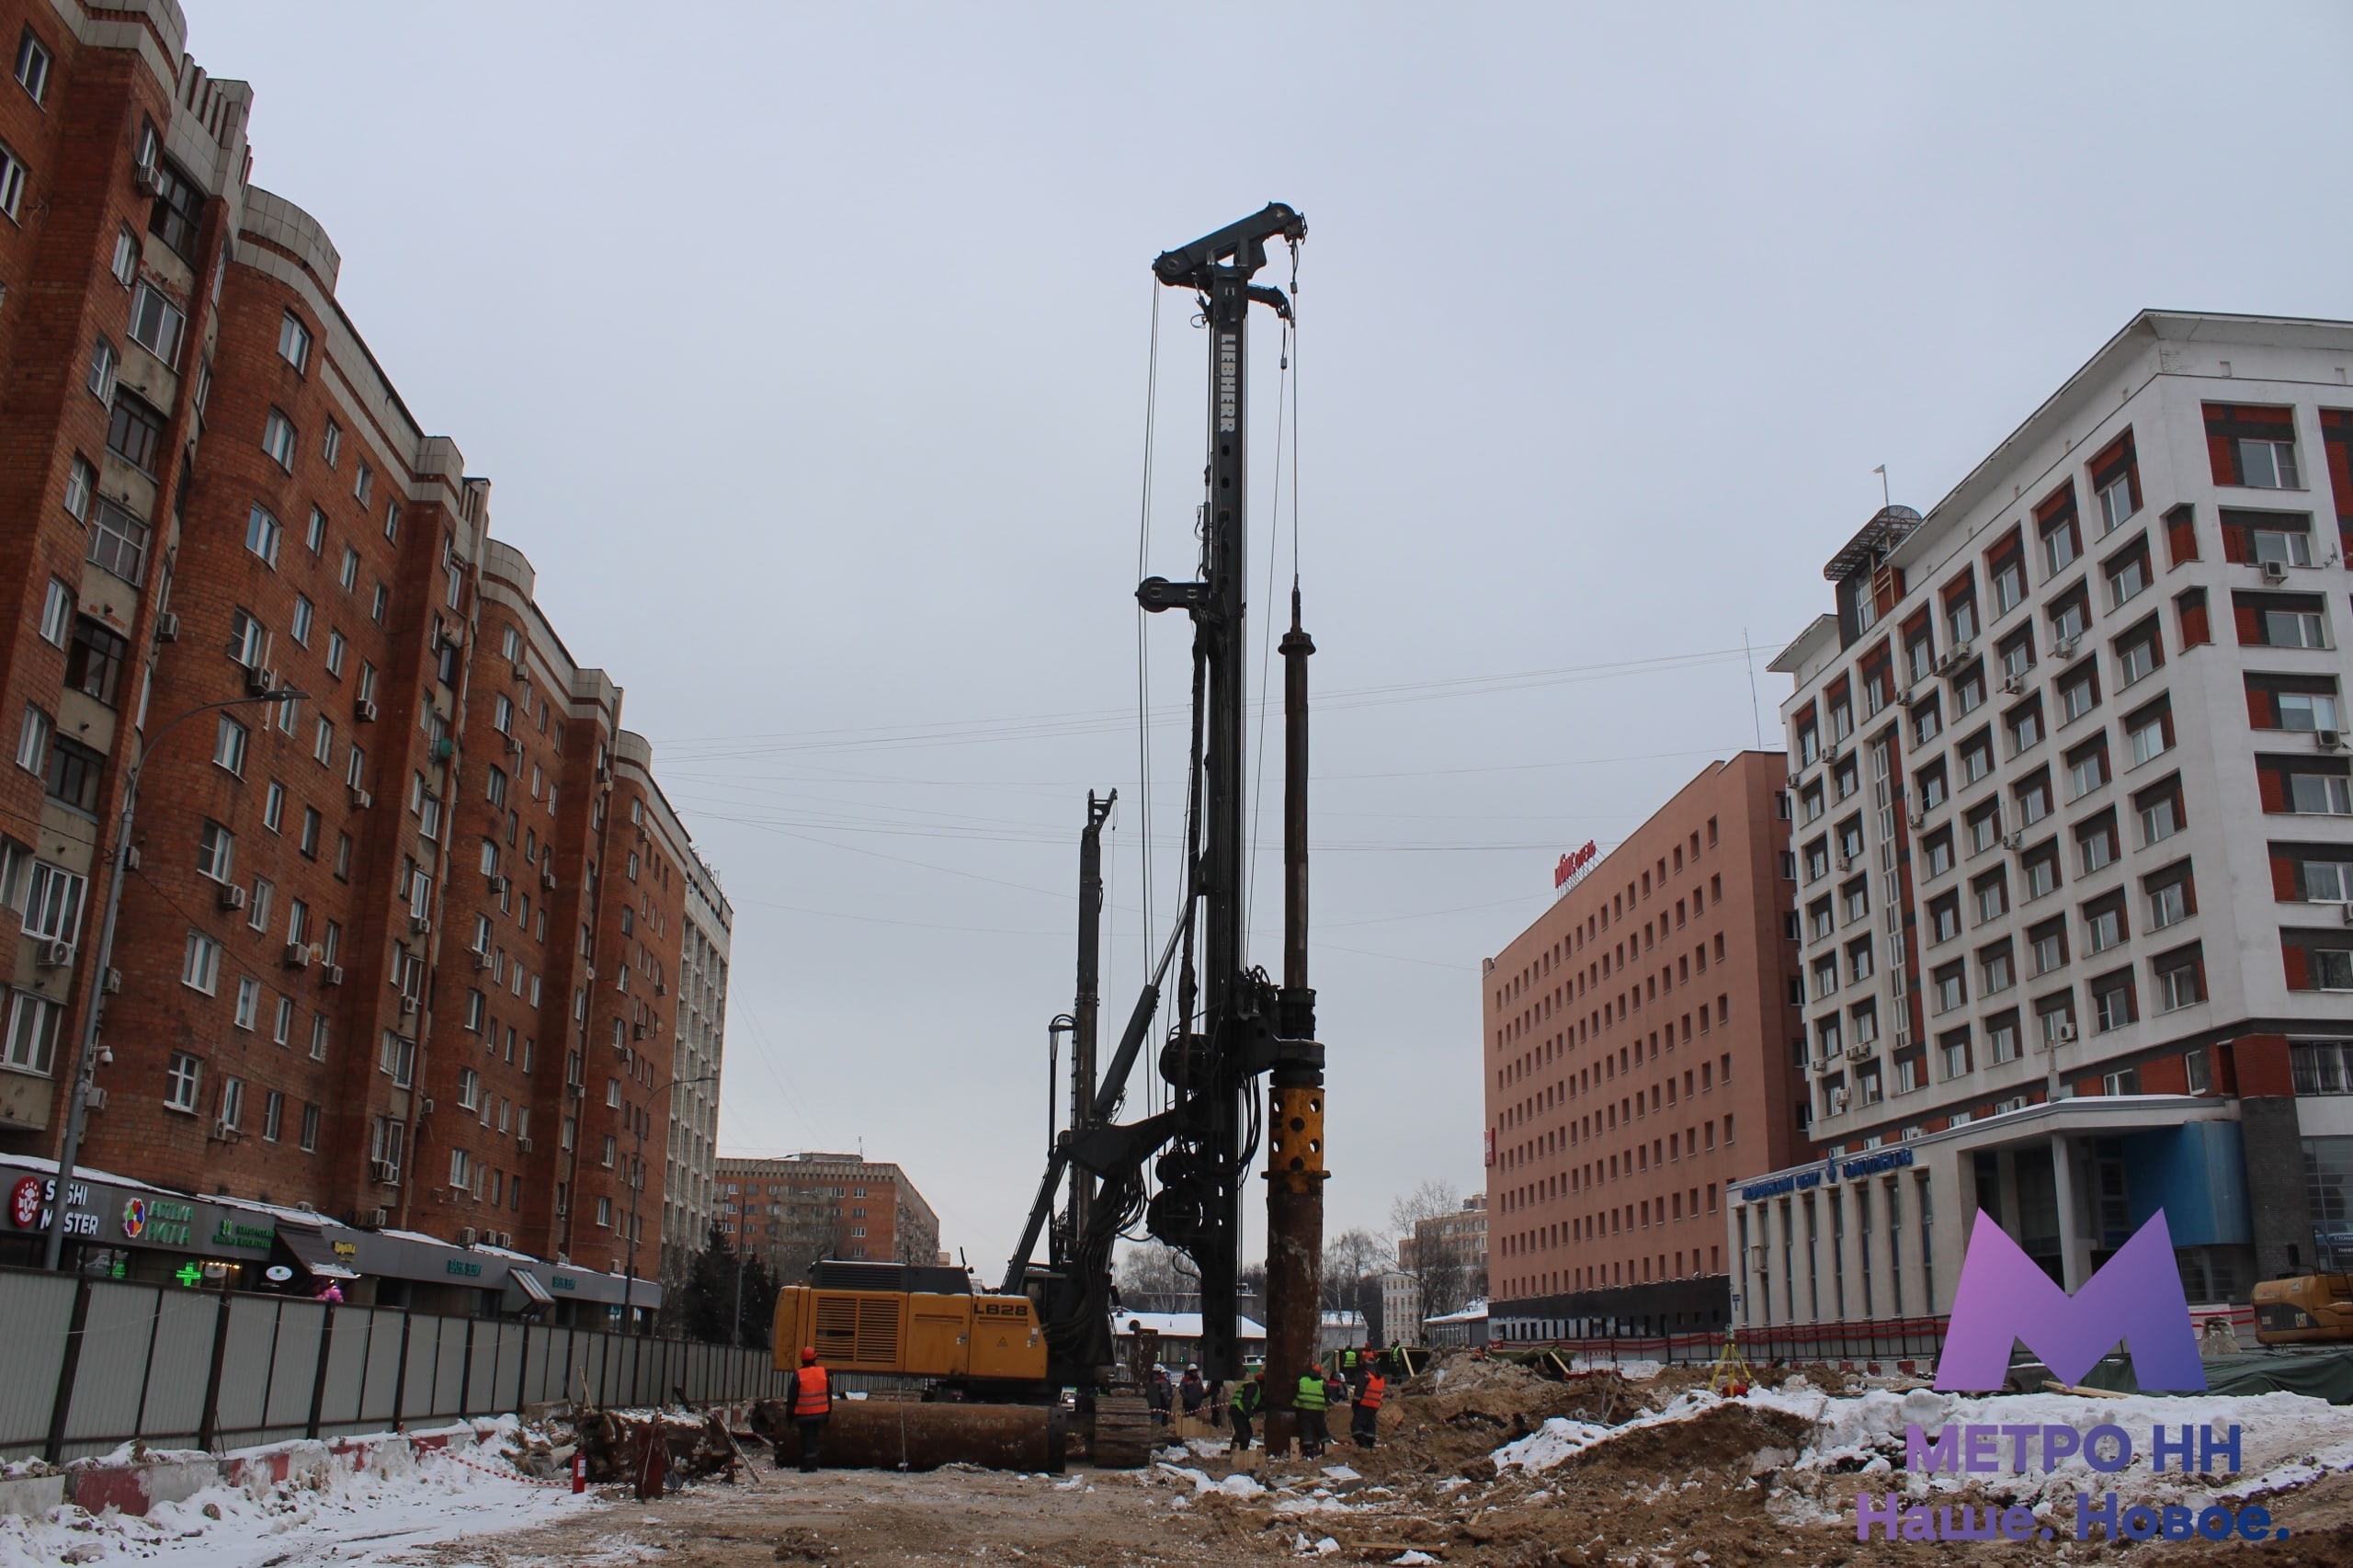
<point>808,1356</point>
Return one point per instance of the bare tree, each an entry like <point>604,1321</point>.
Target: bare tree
<point>1349,1258</point>
<point>1154,1278</point>
<point>1434,1251</point>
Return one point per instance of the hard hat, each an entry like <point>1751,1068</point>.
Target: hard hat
<point>808,1354</point>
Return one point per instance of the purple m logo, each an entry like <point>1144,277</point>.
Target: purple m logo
<point>2005,1295</point>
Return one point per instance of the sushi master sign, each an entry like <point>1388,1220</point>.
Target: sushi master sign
<point>2003,1297</point>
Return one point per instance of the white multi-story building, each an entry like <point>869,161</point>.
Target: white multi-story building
<point>2073,847</point>
<point>689,1191</point>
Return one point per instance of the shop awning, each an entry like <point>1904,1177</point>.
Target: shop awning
<point>315,1252</point>
<point>529,1283</point>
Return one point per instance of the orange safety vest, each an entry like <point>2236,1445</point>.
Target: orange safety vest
<point>811,1400</point>
<point>1374,1387</point>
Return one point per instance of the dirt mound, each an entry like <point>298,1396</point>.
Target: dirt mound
<point>1450,1425</point>
<point>1734,1433</point>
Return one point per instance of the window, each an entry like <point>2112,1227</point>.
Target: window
<point>2087,768</point>
<point>119,542</point>
<point>2025,724</point>
<point>2061,540</point>
<point>1996,970</point>
<point>2056,1020</point>
<point>1976,758</point>
<point>2149,732</point>
<point>53,903</point>
<point>2173,896</point>
<point>104,361</point>
<point>249,1002</point>
<point>32,64</point>
<point>32,740</point>
<point>2041,868</point>
<point>279,439</point>
<point>1944,918</point>
<point>392,520</point>
<point>1951,987</point>
<point>1952,1052</point>
<point>81,481</point>
<point>229,743</point>
<point>2180,981</point>
<point>2002,1038</point>
<point>2267,464</point>
<point>2079,693</point>
<point>1939,849</point>
<point>200,964</point>
<point>2128,577</point>
<point>175,218</point>
<point>331,444</point>
<point>33,1023</point>
<point>2047,948</point>
<point>2299,703</point>
<point>294,343</point>
<point>2117,501</point>
<point>397,1058</point>
<point>2096,843</point>
<point>157,324</point>
<point>2113,1006</point>
<point>135,433</point>
<point>248,638</point>
<point>56,613</point>
<point>309,843</point>
<point>262,533</point>
<point>2139,653</point>
<point>216,849</point>
<point>94,664</point>
<point>74,773</point>
<point>1991,894</point>
<point>363,482</point>
<point>2104,923</point>
<point>2160,812</point>
<point>383,601</point>
<point>2034,798</point>
<point>181,1081</point>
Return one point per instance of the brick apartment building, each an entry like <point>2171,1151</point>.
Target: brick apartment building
<point>802,1208</point>
<point>406,948</point>
<point>2076,844</point>
<point>1641,1053</point>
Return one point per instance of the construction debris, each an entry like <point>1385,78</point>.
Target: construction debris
<point>694,1447</point>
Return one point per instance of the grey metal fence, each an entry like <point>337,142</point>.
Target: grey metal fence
<point>100,1362</point>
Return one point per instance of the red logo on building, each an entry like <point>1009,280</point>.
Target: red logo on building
<point>1573,865</point>
<point>24,1203</point>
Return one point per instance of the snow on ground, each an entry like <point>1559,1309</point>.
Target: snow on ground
<point>2285,1439</point>
<point>400,1499</point>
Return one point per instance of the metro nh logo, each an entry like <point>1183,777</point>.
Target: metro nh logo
<point>2003,1295</point>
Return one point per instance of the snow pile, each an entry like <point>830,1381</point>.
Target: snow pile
<point>1632,1371</point>
<point>1238,1484</point>
<point>400,1498</point>
<point>1550,1444</point>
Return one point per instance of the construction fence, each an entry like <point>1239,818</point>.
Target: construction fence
<point>100,1362</point>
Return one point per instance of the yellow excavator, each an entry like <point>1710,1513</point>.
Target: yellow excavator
<point>2306,1309</point>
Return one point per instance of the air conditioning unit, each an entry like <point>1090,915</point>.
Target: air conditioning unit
<point>1796,779</point>
<point>523,673</point>
<point>661,988</point>
<point>1838,1103</point>
<point>297,955</point>
<point>332,974</point>
<point>2065,1034</point>
<point>546,877</point>
<point>1861,1053</point>
<point>498,886</point>
<point>1958,656</point>
<point>524,1144</point>
<point>1833,752</point>
<point>2064,648</point>
<point>114,983</point>
<point>1846,861</point>
<point>149,178</point>
<point>259,680</point>
<point>420,923</point>
<point>54,955</point>
<point>365,710</point>
<point>466,1236</point>
<point>481,956</point>
<point>387,1173</point>
<point>2012,840</point>
<point>2347,910</point>
<point>2013,685</point>
<point>229,896</point>
<point>515,744</point>
<point>224,1133</point>
<point>1917,817</point>
<point>2275,570</point>
<point>130,857</point>
<point>167,627</point>
<point>408,1003</point>
<point>637,1031</point>
<point>2329,740</point>
<point>94,1098</point>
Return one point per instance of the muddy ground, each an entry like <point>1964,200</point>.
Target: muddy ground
<point>1708,1490</point>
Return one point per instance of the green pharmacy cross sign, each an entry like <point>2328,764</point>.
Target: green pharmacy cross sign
<point>188,1274</point>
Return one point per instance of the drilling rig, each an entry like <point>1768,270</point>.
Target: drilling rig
<point>1233,1024</point>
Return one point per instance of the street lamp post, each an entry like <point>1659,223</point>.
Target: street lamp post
<point>636,1190</point>
<point>86,1053</point>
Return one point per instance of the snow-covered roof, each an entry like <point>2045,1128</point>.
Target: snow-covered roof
<point>1475,1313</point>
<point>1180,1325</point>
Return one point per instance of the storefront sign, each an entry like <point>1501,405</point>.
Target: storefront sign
<point>1774,1186</point>
<point>563,1281</point>
<point>1870,1165</point>
<point>158,1222</point>
<point>234,1234</point>
<point>1573,865</point>
<point>32,1200</point>
<point>465,1266</point>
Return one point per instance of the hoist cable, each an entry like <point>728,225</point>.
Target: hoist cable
<point>1267,631</point>
<point>1143,662</point>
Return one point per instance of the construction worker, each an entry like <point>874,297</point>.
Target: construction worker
<point>810,1397</point>
<point>1348,1365</point>
<point>1249,1395</point>
<point>1396,1368</point>
<point>1367,1358</point>
<point>1365,1425</point>
<point>1311,1401</point>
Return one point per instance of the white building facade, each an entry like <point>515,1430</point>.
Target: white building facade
<point>689,1192</point>
<point>2073,851</point>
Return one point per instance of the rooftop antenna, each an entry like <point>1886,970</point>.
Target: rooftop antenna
<point>1885,498</point>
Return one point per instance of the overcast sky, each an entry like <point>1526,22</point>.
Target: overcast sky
<point>806,349</point>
